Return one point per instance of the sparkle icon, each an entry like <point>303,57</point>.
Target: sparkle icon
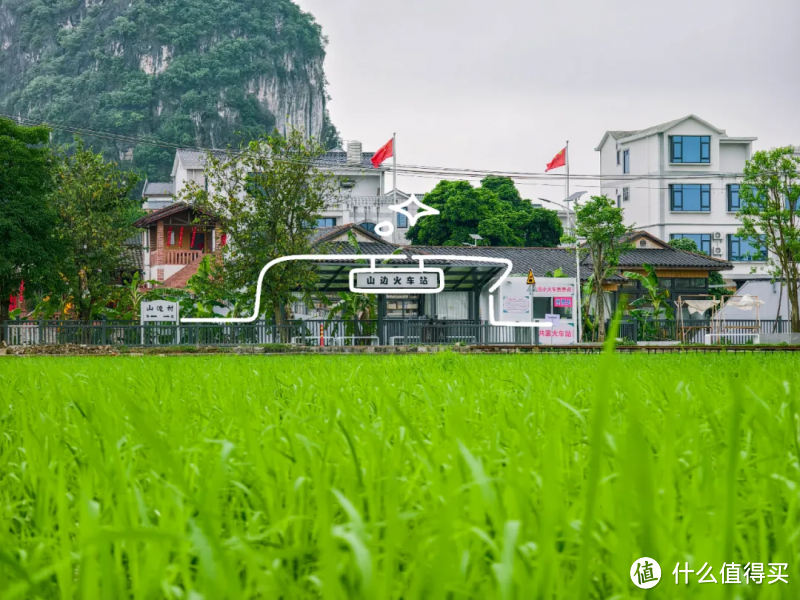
<point>423,210</point>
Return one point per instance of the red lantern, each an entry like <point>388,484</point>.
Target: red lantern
<point>169,237</point>
<point>194,233</point>
<point>224,239</point>
<point>180,238</point>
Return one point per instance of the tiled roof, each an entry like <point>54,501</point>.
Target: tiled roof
<point>158,188</point>
<point>152,204</point>
<point>161,213</point>
<point>660,128</point>
<point>670,257</point>
<point>538,260</point>
<point>338,158</point>
<point>621,134</point>
<point>196,159</point>
<point>326,233</point>
<point>173,209</point>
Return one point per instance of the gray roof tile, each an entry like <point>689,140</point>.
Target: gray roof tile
<point>158,188</point>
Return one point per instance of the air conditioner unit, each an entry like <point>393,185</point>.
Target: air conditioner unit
<point>718,251</point>
<point>717,235</point>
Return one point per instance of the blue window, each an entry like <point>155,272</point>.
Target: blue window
<point>402,221</point>
<point>690,149</point>
<point>626,161</point>
<point>368,226</point>
<point>703,240</point>
<point>733,198</point>
<point>693,197</point>
<point>746,249</point>
<point>787,201</point>
<point>326,222</point>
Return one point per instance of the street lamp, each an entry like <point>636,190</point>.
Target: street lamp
<point>574,198</point>
<point>476,239</point>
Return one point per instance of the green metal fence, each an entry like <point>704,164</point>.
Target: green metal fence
<point>351,332</point>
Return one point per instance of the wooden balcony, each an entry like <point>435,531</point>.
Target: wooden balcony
<point>181,257</point>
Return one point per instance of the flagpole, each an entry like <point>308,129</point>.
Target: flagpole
<point>394,167</point>
<point>577,309</point>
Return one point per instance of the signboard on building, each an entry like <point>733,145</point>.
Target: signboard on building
<point>159,311</point>
<point>554,286</point>
<point>560,334</point>
<point>562,302</point>
<point>396,281</point>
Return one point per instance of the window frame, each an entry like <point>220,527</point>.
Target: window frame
<point>679,236</point>
<point>619,152</point>
<point>729,195</point>
<point>626,161</point>
<point>401,224</point>
<point>677,142</point>
<point>333,219</point>
<point>626,194</point>
<point>763,253</point>
<point>705,192</point>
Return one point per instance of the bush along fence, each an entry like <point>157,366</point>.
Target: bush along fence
<point>357,333</point>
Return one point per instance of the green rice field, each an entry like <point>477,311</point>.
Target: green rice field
<point>440,476</point>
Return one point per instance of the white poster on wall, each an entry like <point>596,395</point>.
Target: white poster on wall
<point>517,305</point>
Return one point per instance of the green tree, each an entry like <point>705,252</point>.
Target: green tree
<point>600,223</point>
<point>29,248</point>
<point>714,277</point>
<point>266,196</point>
<point>97,210</point>
<point>495,211</point>
<point>770,214</point>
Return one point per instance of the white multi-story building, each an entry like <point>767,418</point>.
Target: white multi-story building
<point>362,197</point>
<point>681,179</point>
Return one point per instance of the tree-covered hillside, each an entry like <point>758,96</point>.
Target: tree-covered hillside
<point>189,72</point>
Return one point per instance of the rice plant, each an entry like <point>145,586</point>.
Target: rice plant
<point>368,477</point>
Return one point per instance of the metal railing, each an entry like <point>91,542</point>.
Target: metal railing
<point>726,331</point>
<point>343,332</point>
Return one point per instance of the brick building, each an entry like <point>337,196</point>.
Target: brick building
<point>175,239</point>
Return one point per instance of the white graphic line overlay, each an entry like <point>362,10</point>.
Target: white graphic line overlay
<point>372,258</point>
<point>421,271</point>
<point>423,210</point>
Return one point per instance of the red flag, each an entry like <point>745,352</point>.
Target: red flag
<point>386,151</point>
<point>559,161</point>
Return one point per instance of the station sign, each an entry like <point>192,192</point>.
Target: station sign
<point>396,281</point>
<point>159,311</point>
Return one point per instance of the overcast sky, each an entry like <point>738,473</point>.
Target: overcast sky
<point>501,84</point>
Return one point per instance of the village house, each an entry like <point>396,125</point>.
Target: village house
<point>174,243</point>
<point>681,179</point>
<point>361,198</point>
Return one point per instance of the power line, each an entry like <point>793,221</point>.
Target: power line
<point>406,170</point>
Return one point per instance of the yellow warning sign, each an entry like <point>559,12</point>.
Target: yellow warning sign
<point>531,279</point>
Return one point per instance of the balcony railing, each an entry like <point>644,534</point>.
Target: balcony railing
<point>181,257</point>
